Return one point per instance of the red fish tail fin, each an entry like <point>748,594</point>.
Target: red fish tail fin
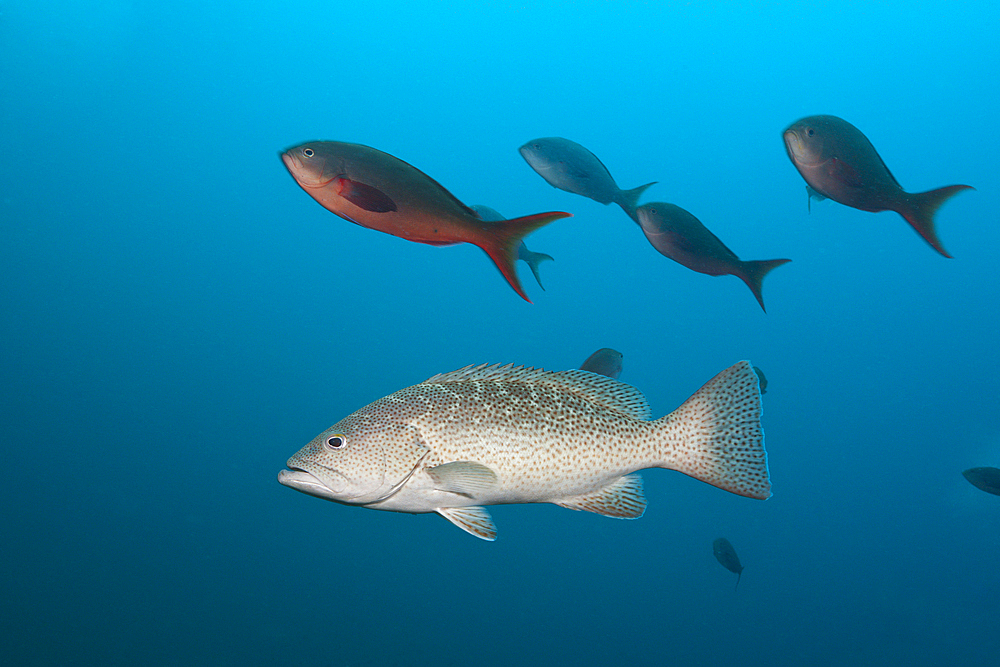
<point>500,241</point>
<point>629,199</point>
<point>920,210</point>
<point>753,273</point>
<point>716,436</point>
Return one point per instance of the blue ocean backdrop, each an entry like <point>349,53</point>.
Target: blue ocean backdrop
<point>177,318</point>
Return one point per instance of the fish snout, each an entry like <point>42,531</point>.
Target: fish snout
<point>793,142</point>
<point>292,163</point>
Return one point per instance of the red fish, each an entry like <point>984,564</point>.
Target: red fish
<point>378,191</point>
<point>680,236</point>
<point>838,162</point>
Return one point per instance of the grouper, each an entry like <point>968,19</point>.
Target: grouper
<point>490,435</point>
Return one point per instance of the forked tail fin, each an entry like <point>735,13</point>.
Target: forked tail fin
<point>629,200</point>
<point>921,207</point>
<point>716,436</point>
<point>753,272</point>
<point>501,239</point>
<point>532,259</point>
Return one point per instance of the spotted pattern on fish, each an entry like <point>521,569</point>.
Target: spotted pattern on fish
<point>487,435</point>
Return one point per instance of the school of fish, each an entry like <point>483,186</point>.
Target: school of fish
<point>499,434</point>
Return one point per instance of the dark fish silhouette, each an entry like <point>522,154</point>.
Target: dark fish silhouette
<point>567,165</point>
<point>532,259</point>
<point>378,191</point>
<point>677,234</point>
<point>726,555</point>
<point>985,479</point>
<point>762,381</point>
<point>838,162</point>
<point>604,362</point>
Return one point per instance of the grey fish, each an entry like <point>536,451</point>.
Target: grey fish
<point>677,234</point>
<point>492,435</point>
<point>763,380</point>
<point>604,362</point>
<point>567,165</point>
<point>532,259</point>
<point>726,555</point>
<point>985,479</point>
<point>837,161</point>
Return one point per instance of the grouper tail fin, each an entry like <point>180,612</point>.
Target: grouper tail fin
<point>716,436</point>
<point>500,240</point>
<point>919,210</point>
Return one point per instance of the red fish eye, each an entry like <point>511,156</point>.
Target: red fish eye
<point>336,442</point>
<point>308,152</point>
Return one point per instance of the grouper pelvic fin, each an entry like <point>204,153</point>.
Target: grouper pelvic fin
<point>466,478</point>
<point>473,520</point>
<point>622,499</point>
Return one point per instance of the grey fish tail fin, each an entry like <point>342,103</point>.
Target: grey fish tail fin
<point>753,274</point>
<point>716,436</point>
<point>533,259</point>
<point>922,206</point>
<point>629,199</point>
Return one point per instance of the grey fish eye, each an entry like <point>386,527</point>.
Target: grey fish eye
<point>810,131</point>
<point>308,152</point>
<point>336,442</point>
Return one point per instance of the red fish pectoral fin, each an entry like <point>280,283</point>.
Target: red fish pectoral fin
<point>500,241</point>
<point>364,196</point>
<point>844,173</point>
<point>921,207</point>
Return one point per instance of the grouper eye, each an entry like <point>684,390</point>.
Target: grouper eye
<point>308,152</point>
<point>336,442</point>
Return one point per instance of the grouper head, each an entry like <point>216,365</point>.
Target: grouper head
<point>361,459</point>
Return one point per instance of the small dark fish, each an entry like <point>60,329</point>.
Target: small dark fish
<point>726,555</point>
<point>838,162</point>
<point>761,380</point>
<point>677,234</point>
<point>567,165</point>
<point>378,191</point>
<point>985,479</point>
<point>532,259</point>
<point>604,362</point>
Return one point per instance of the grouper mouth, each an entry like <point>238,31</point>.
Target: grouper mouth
<point>307,483</point>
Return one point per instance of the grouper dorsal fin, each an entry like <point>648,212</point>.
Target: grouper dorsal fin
<point>599,389</point>
<point>473,520</point>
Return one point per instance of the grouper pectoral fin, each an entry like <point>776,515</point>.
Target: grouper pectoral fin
<point>364,196</point>
<point>622,499</point>
<point>465,478</point>
<point>473,520</point>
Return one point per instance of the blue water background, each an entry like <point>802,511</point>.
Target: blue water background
<point>178,317</point>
